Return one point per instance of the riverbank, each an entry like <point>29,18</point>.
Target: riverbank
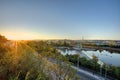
<point>103,48</point>
<point>92,66</point>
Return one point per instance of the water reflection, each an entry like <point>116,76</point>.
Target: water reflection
<point>103,55</point>
<point>107,57</point>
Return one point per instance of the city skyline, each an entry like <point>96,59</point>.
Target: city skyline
<point>60,19</point>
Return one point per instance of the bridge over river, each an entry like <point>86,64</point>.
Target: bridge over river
<point>83,54</point>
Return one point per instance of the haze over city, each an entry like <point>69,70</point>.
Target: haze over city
<point>63,19</point>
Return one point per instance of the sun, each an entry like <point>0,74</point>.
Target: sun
<point>18,36</point>
<point>26,35</point>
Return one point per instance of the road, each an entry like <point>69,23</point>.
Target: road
<point>87,75</point>
<point>84,74</point>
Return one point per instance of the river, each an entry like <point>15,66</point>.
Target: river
<point>104,56</point>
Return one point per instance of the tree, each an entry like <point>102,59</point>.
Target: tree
<point>117,72</point>
<point>2,38</point>
<point>95,58</point>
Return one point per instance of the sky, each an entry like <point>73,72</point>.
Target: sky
<point>60,19</point>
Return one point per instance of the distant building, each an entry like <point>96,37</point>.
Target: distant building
<point>117,43</point>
